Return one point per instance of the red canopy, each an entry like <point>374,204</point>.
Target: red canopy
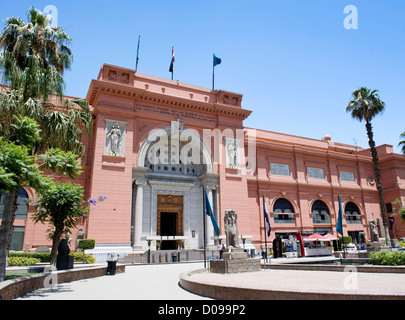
<point>316,236</point>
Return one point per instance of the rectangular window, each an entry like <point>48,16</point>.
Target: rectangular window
<point>316,173</point>
<point>284,218</point>
<point>346,176</point>
<point>280,169</point>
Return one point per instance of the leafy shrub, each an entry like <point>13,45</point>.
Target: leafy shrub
<point>22,261</point>
<point>78,257</point>
<point>85,244</point>
<point>346,239</point>
<point>387,258</point>
<point>42,256</point>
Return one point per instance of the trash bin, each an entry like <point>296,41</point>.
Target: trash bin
<point>174,257</point>
<point>111,266</point>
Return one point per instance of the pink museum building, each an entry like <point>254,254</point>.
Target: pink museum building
<point>157,143</point>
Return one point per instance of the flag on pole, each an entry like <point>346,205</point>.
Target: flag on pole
<point>266,218</point>
<point>137,54</point>
<point>339,227</point>
<point>217,60</point>
<point>208,212</point>
<point>172,63</point>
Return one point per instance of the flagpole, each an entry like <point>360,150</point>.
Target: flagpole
<point>137,54</point>
<point>265,231</point>
<point>205,245</point>
<point>213,76</point>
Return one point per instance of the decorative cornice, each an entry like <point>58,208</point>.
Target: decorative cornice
<point>114,80</point>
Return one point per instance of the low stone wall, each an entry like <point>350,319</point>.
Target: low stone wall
<point>235,265</point>
<point>15,288</point>
<point>339,268</point>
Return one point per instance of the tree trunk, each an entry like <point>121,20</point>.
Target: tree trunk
<point>378,181</point>
<point>5,230</point>
<point>14,210</point>
<point>55,243</point>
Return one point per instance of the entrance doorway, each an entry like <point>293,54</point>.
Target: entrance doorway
<point>168,223</point>
<point>169,219</point>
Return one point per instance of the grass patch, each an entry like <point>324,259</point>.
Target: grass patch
<point>12,276</point>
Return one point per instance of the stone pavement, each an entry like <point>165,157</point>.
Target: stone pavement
<point>161,282</point>
<point>139,282</point>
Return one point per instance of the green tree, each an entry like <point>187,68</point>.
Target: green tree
<point>19,169</point>
<point>61,205</point>
<point>402,142</point>
<point>366,104</point>
<point>33,58</point>
<point>35,55</point>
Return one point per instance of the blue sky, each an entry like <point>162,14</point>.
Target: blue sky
<point>293,60</point>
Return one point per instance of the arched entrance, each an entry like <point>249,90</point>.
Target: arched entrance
<point>173,165</point>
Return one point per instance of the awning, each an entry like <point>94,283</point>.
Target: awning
<point>330,236</point>
<point>316,237</point>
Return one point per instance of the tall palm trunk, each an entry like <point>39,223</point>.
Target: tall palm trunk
<point>379,182</point>
<point>5,228</point>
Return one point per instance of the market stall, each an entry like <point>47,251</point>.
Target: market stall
<point>317,245</point>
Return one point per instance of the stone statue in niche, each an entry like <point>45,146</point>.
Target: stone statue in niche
<point>232,153</point>
<point>231,229</point>
<point>115,138</point>
<point>373,231</point>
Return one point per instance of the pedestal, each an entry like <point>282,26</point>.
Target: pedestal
<point>64,262</point>
<point>235,261</point>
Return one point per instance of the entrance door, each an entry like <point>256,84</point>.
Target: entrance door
<point>168,223</point>
<point>169,219</point>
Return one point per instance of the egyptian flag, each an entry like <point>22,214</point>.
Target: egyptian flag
<point>172,62</point>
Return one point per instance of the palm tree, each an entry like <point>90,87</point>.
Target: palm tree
<point>33,58</point>
<point>35,55</point>
<point>402,142</point>
<point>365,105</point>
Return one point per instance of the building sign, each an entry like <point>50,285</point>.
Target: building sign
<point>316,173</point>
<point>346,176</point>
<point>280,169</point>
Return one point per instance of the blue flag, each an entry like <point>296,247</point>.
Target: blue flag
<point>266,218</point>
<point>217,60</point>
<point>208,212</point>
<point>339,227</point>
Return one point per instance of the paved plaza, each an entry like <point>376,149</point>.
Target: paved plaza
<point>138,282</point>
<point>161,282</point>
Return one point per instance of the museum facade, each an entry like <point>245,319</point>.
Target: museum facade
<point>158,144</point>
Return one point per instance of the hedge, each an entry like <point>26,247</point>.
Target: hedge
<point>41,256</point>
<point>45,257</point>
<point>22,261</point>
<point>79,257</point>
<point>387,258</point>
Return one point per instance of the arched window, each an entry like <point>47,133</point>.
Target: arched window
<point>320,212</point>
<point>17,240</point>
<point>352,213</point>
<point>283,211</point>
<point>22,210</point>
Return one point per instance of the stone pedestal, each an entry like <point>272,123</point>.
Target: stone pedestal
<point>235,261</point>
<point>64,262</point>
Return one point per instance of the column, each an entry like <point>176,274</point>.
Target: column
<point>138,213</point>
